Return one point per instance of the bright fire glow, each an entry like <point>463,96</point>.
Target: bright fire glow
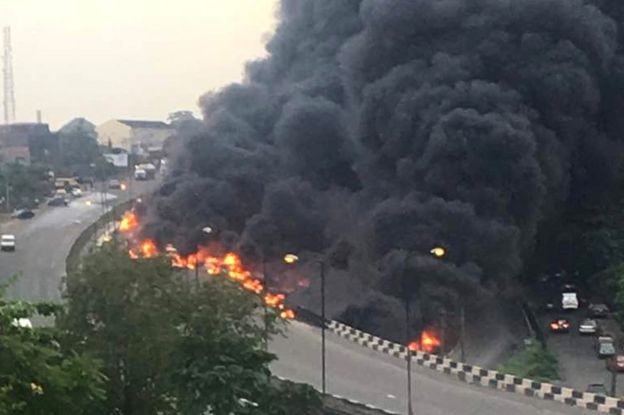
<point>287,314</point>
<point>229,265</point>
<point>428,343</point>
<point>129,222</point>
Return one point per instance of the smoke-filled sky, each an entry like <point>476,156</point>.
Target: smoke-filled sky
<point>103,59</point>
<point>378,128</point>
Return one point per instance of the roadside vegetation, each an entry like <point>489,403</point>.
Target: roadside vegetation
<point>153,342</point>
<point>39,374</point>
<point>25,186</point>
<point>532,362</point>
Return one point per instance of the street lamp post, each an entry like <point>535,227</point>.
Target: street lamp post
<point>323,320</point>
<point>437,252</point>
<point>291,259</point>
<point>207,230</point>
<point>266,309</point>
<point>408,354</point>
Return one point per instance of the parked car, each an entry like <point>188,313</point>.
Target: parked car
<point>597,388</point>
<point>598,310</point>
<point>559,325</point>
<point>569,301</point>
<point>606,350</point>
<point>616,363</point>
<point>588,326</point>
<point>23,214</point>
<point>604,346</point>
<point>7,242</point>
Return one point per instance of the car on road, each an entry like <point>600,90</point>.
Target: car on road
<point>588,326</point>
<point>58,201</point>
<point>569,301</point>
<point>114,184</point>
<point>597,388</point>
<point>604,346</point>
<point>598,310</point>
<point>7,242</point>
<point>77,192</point>
<point>606,350</point>
<point>616,363</point>
<point>559,325</point>
<point>23,214</point>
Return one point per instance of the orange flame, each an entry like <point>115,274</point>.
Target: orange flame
<point>287,314</point>
<point>148,249</point>
<point>274,300</point>
<point>229,265</point>
<point>129,222</point>
<point>428,343</point>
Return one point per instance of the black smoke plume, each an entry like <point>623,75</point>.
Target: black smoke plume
<point>376,129</point>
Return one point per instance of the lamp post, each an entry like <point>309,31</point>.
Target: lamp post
<point>437,252</point>
<point>207,230</point>
<point>408,355</point>
<point>266,309</point>
<point>323,320</point>
<point>291,259</point>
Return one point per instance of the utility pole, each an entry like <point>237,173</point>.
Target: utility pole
<point>613,381</point>
<point>7,186</point>
<point>9,95</point>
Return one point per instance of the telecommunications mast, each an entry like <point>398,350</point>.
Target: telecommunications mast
<point>9,96</point>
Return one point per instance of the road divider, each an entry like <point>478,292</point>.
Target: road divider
<point>480,376</point>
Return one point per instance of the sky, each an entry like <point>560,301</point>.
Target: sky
<point>132,59</point>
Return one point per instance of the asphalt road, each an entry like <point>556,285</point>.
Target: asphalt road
<point>44,241</point>
<point>578,364</point>
<point>380,380</point>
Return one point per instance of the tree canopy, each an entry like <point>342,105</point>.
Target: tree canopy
<point>38,374</point>
<point>169,346</point>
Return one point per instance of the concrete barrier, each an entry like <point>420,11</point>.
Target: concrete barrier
<point>481,376</point>
<point>73,258</point>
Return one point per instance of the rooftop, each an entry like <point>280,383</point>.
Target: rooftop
<point>145,124</point>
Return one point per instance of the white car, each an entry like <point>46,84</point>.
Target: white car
<point>588,326</point>
<point>569,301</point>
<point>77,192</point>
<point>22,322</point>
<point>7,242</point>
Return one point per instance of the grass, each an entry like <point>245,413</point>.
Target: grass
<point>533,362</point>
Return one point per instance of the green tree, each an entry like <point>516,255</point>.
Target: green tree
<point>533,362</point>
<point>37,375</point>
<point>169,347</point>
<point>78,144</point>
<point>26,184</point>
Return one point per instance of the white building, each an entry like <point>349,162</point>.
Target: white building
<point>136,137</point>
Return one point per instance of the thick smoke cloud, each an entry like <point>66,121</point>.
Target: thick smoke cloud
<point>375,129</point>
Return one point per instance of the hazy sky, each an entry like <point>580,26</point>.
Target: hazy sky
<point>103,59</point>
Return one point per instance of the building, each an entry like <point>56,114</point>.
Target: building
<point>26,142</point>
<point>135,137</point>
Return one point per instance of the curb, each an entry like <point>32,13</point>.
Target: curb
<point>483,377</point>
